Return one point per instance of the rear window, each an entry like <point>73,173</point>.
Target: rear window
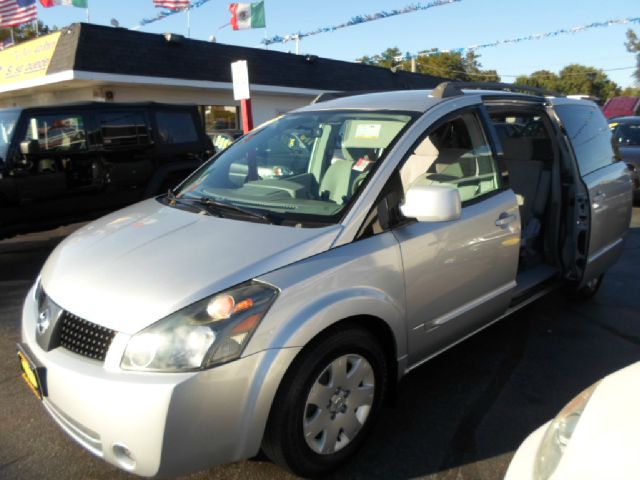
<point>123,129</point>
<point>589,134</point>
<point>627,134</point>
<point>176,127</point>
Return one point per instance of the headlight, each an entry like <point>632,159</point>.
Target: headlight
<point>558,434</point>
<point>209,332</point>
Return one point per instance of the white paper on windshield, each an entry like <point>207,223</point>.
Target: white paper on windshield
<point>368,130</point>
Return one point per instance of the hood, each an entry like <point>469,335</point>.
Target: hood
<point>133,267</point>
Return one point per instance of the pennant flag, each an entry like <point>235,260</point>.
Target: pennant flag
<point>247,15</point>
<point>14,13</point>
<point>172,4</point>
<point>65,3</point>
<point>6,43</point>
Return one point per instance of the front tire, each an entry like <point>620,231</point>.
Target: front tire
<point>327,403</point>
<point>589,290</point>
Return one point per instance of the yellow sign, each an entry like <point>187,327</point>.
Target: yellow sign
<point>28,60</point>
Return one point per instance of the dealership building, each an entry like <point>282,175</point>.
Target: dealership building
<point>87,62</point>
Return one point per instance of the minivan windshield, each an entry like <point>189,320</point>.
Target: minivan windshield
<point>8,120</point>
<point>303,168</point>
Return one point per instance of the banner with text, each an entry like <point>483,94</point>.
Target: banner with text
<point>27,61</point>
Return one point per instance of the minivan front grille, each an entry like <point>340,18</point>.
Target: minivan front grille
<point>84,338</point>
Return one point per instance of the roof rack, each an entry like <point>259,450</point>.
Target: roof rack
<point>326,96</point>
<point>454,89</point>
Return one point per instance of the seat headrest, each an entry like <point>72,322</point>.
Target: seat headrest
<point>517,148</point>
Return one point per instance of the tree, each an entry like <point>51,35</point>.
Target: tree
<point>26,32</point>
<point>630,92</point>
<point>574,79</point>
<point>452,65</point>
<point>633,46</point>
<point>390,58</point>
<point>540,79</point>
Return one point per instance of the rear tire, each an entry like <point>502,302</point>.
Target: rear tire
<point>327,403</point>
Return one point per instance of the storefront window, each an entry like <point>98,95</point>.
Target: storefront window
<point>220,117</point>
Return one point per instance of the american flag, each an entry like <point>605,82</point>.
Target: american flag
<point>14,13</point>
<point>172,4</point>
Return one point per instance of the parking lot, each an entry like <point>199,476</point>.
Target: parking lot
<point>460,417</point>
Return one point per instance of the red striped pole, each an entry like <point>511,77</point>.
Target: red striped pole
<point>247,115</point>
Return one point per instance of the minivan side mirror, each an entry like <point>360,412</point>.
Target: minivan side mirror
<point>432,203</point>
<point>29,147</point>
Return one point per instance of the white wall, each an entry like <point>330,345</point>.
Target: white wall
<point>54,97</point>
<point>264,106</point>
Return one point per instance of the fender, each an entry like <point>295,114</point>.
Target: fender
<point>329,309</point>
<point>362,278</point>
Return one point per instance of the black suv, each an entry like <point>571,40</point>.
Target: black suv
<point>70,162</point>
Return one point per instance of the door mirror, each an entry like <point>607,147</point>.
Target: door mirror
<point>432,203</point>
<point>29,147</point>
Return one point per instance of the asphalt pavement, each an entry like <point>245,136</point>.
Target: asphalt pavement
<point>459,417</point>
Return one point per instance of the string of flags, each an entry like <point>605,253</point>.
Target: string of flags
<point>14,13</point>
<point>358,20</point>
<point>526,38</point>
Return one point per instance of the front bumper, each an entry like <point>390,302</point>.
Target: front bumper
<point>159,424</point>
<point>523,462</point>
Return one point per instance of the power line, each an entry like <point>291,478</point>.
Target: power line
<point>480,74</point>
<point>535,36</point>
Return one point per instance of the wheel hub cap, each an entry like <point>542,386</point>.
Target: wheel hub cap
<point>338,403</point>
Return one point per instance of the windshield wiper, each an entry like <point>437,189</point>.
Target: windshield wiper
<point>172,200</point>
<point>212,202</point>
<point>214,207</point>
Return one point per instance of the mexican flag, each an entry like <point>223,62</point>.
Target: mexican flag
<point>247,15</point>
<point>66,3</point>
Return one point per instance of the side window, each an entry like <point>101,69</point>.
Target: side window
<point>58,133</point>
<point>590,136</point>
<point>123,129</point>
<point>176,127</point>
<point>456,154</point>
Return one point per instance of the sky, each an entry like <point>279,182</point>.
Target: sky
<point>456,25</point>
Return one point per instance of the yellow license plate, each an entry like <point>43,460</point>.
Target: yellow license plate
<point>30,376</point>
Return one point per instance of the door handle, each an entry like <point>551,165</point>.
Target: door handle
<point>505,219</point>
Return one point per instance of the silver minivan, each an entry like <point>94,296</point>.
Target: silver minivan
<point>276,297</point>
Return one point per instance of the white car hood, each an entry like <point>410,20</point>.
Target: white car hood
<point>604,444</point>
<point>133,267</point>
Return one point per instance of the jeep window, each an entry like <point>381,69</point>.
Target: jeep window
<point>590,136</point>
<point>7,126</point>
<point>123,129</point>
<point>57,133</point>
<point>176,127</point>
<point>302,168</point>
<point>455,154</point>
